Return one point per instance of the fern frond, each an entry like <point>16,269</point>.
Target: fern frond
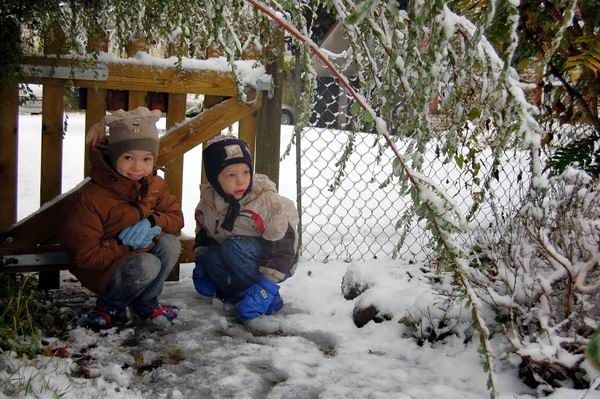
<point>582,154</point>
<point>588,57</point>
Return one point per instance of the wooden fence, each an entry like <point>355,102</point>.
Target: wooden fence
<point>37,234</point>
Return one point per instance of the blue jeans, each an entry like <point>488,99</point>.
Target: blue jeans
<point>140,280</point>
<point>233,265</point>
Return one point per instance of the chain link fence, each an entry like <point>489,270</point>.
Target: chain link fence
<point>349,212</point>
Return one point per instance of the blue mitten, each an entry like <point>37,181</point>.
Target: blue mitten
<point>202,281</point>
<point>135,235</point>
<point>260,299</point>
<point>153,232</point>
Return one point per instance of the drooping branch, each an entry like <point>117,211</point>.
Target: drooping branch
<point>432,214</point>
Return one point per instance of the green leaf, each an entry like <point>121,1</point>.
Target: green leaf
<point>352,18</point>
<point>523,64</point>
<point>460,160</point>
<point>397,168</point>
<point>367,117</point>
<point>474,113</point>
<point>414,195</point>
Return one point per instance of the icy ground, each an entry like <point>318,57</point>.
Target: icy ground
<point>311,349</point>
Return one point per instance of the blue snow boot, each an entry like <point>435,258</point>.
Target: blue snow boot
<point>260,299</point>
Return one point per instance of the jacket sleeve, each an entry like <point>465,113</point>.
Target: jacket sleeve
<point>167,214</point>
<point>203,240</point>
<point>280,253</point>
<point>83,238</point>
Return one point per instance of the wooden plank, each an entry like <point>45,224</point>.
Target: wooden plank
<point>94,113</point>
<point>40,228</point>
<point>186,256</point>
<point>174,168</point>
<point>136,99</point>
<point>203,127</point>
<point>139,77</point>
<point>52,134</point>
<point>247,132</point>
<point>51,280</point>
<point>187,250</point>
<point>268,123</point>
<point>9,120</point>
<point>209,102</point>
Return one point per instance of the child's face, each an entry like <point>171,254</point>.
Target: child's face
<point>235,179</point>
<point>135,164</point>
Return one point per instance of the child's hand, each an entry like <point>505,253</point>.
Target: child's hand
<point>136,235</point>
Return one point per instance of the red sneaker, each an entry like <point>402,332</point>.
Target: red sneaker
<point>168,312</point>
<point>101,318</point>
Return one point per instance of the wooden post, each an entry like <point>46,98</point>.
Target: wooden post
<point>52,134</point>
<point>174,169</point>
<point>268,123</point>
<point>247,132</point>
<point>176,107</point>
<point>136,98</point>
<point>247,125</point>
<point>94,112</point>
<point>96,98</point>
<point>209,101</point>
<point>175,115</point>
<point>9,122</point>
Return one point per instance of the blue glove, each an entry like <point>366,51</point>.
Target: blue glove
<point>202,281</point>
<point>136,234</point>
<point>260,299</point>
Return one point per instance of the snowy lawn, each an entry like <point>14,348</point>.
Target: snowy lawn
<point>311,349</point>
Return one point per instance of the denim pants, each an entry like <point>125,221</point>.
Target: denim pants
<point>140,280</point>
<point>233,265</point>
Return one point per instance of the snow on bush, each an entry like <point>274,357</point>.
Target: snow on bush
<point>526,269</point>
<point>431,309</point>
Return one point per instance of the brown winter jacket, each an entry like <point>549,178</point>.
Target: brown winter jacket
<point>107,204</point>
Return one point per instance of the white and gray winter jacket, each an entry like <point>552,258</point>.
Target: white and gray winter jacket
<point>263,213</point>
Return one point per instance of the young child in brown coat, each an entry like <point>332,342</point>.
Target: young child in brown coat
<point>119,229</point>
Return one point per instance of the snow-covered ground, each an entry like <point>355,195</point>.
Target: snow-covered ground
<point>311,349</point>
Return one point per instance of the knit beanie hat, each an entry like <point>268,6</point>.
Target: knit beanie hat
<point>219,153</point>
<point>132,130</point>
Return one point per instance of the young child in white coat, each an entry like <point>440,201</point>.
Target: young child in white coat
<point>246,233</point>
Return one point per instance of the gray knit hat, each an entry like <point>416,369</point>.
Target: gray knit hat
<point>132,130</point>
